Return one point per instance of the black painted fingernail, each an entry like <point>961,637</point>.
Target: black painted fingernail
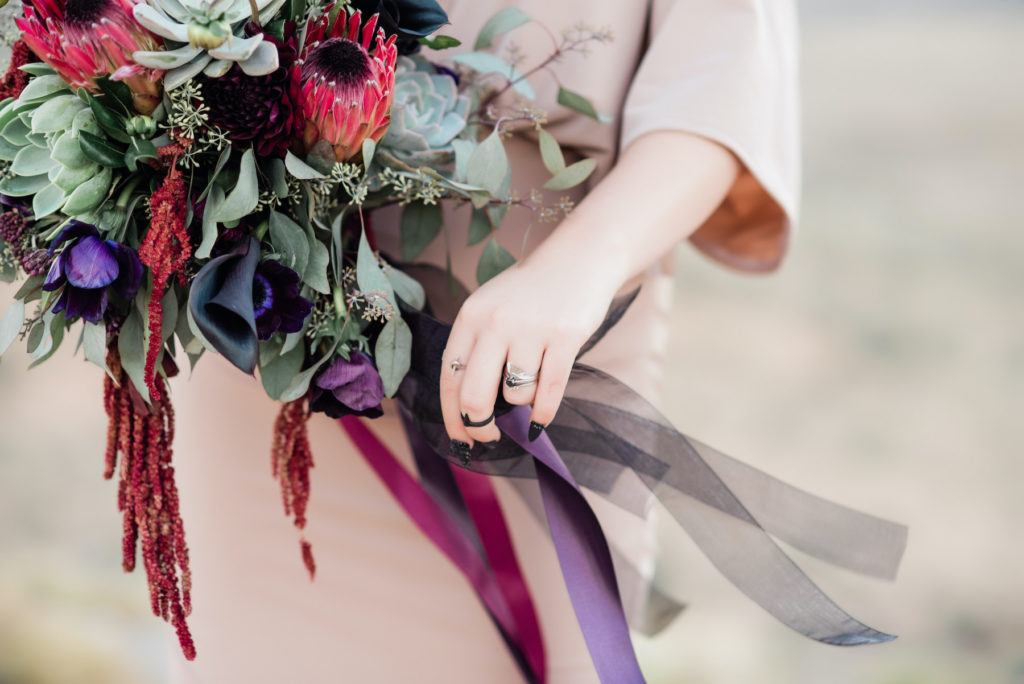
<point>535,430</point>
<point>461,451</point>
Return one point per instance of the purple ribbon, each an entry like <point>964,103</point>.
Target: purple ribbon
<point>583,554</point>
<point>499,583</point>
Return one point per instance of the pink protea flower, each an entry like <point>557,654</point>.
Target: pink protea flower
<point>347,88</point>
<point>85,39</point>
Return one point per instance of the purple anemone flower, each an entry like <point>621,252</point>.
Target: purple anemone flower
<point>351,387</point>
<point>276,302</point>
<point>86,268</point>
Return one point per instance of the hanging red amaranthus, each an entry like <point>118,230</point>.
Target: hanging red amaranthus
<point>290,460</point>
<point>147,496</point>
<point>15,80</point>
<point>165,250</point>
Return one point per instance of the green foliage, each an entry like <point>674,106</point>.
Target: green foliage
<point>421,223</point>
<point>578,103</point>
<point>393,350</point>
<point>571,175</point>
<point>488,166</point>
<point>486,63</point>
<point>493,261</point>
<point>289,241</point>
<point>501,22</point>
<point>242,200</point>
<point>440,42</point>
<point>550,152</point>
<point>10,324</point>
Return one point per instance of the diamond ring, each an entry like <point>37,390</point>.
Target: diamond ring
<point>516,377</point>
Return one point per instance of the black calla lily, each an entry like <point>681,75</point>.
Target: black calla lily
<point>222,306</point>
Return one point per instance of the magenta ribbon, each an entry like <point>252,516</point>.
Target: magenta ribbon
<point>495,575</point>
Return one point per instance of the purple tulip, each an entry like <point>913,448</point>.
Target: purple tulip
<point>351,387</point>
<point>276,302</point>
<point>86,268</point>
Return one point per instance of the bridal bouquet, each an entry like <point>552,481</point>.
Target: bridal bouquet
<point>194,175</point>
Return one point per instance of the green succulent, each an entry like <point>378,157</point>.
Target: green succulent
<point>428,113</point>
<point>41,135</point>
<point>210,36</point>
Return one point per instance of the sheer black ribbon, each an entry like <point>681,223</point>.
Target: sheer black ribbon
<point>610,440</point>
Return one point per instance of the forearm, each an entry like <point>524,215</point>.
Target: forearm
<point>664,186</point>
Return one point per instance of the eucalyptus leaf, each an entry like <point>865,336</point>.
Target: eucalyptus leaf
<point>280,371</point>
<point>222,161</point>
<point>393,353</point>
<point>300,169</point>
<point>369,147</point>
<point>421,223</point>
<point>300,383</point>
<point>493,261</point>
<point>407,288</point>
<point>463,149</point>
<point>577,103</point>
<point>315,274</point>
<point>503,21</point>
<point>369,275</point>
<point>169,302</point>
<point>276,173</point>
<point>488,166</point>
<point>440,42</point>
<point>571,175</point>
<point>54,335</point>
<point>245,196</point>
<point>486,63</point>
<point>290,241</point>
<point>10,324</point>
<point>550,152</point>
<point>213,202</point>
<point>94,342</point>
<point>132,349</point>
<point>479,227</point>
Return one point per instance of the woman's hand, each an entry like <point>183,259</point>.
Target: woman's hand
<point>537,314</point>
<point>534,316</point>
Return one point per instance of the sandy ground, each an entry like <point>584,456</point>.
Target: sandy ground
<point>883,367</point>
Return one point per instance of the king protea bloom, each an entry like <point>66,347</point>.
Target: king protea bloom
<point>85,39</point>
<point>347,87</point>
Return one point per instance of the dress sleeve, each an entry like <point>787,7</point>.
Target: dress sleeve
<point>727,70</point>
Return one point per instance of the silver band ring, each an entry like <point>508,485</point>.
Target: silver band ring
<point>456,366</point>
<point>516,377</point>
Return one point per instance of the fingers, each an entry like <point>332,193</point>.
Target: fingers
<point>526,358</point>
<point>458,350</point>
<point>479,389</point>
<point>554,375</point>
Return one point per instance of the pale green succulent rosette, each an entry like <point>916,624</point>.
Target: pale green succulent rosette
<point>429,112</point>
<point>40,134</point>
<point>210,34</point>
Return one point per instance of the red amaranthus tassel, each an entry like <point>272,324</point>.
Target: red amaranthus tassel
<point>142,434</point>
<point>290,460</point>
<point>165,250</point>
<point>15,80</point>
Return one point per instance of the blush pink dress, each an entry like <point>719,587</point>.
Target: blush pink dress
<point>386,606</point>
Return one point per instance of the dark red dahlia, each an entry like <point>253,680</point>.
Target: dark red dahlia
<point>262,110</point>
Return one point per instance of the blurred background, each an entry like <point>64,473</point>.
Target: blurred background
<point>883,367</point>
